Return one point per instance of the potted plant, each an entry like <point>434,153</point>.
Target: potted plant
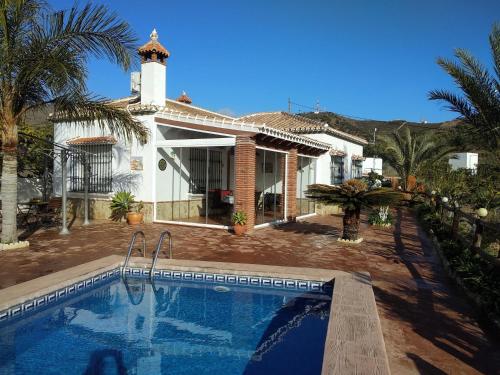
<point>239,222</point>
<point>135,216</point>
<point>121,204</point>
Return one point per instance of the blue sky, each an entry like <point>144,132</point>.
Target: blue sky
<point>366,58</point>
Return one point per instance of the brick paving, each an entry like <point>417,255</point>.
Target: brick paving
<point>428,327</point>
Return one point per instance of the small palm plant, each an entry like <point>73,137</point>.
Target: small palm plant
<point>352,195</point>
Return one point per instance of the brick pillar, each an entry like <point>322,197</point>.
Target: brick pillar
<point>244,173</point>
<point>291,189</point>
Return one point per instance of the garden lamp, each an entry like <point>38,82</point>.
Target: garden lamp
<point>482,212</point>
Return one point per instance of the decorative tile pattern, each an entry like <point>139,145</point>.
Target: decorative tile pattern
<point>242,280</point>
<point>57,295</point>
<point>260,281</point>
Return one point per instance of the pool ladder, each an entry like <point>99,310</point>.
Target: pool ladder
<point>143,252</point>
<point>158,248</point>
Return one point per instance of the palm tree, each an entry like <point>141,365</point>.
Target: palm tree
<point>352,195</point>
<point>479,105</point>
<point>409,152</point>
<point>43,56</point>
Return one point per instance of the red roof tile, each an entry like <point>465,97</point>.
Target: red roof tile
<point>80,141</point>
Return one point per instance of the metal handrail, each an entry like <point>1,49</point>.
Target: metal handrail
<point>158,248</point>
<point>131,247</point>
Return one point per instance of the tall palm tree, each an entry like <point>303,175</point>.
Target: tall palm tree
<point>479,104</point>
<point>43,56</point>
<point>409,152</point>
<point>352,195</point>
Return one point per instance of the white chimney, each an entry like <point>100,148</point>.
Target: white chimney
<point>153,84</point>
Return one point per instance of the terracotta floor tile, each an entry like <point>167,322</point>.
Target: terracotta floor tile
<point>428,327</point>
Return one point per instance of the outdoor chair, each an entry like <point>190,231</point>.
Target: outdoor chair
<point>52,215</point>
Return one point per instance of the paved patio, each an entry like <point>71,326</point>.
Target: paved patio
<point>428,327</point>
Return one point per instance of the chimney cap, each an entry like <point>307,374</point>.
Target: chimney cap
<point>153,50</point>
<point>184,98</point>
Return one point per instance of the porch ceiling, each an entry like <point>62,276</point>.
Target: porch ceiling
<point>265,140</point>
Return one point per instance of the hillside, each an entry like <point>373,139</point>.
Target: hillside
<point>365,128</point>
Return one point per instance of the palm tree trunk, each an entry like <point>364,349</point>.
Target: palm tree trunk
<point>351,224</point>
<point>8,189</point>
<point>9,195</point>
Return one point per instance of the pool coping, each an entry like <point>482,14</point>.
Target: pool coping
<point>354,342</point>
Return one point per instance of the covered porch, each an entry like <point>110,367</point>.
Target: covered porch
<point>206,171</point>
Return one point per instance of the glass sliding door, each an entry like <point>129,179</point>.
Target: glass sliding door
<point>306,175</point>
<point>195,185</point>
<point>269,186</point>
<point>169,185</point>
<point>220,198</point>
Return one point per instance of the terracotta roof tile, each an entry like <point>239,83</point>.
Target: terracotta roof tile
<point>80,141</point>
<point>184,98</point>
<point>153,46</point>
<point>299,124</point>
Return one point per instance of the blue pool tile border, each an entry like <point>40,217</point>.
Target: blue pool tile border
<point>41,302</point>
<point>224,278</point>
<point>38,303</point>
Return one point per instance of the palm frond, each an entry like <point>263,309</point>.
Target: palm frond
<point>90,111</point>
<point>479,103</point>
<point>408,152</point>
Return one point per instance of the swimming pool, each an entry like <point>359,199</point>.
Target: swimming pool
<point>172,326</point>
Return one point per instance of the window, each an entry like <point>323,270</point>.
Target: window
<point>100,159</point>
<point>357,168</point>
<point>336,170</point>
<point>198,170</point>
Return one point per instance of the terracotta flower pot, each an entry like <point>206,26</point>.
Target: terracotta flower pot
<point>239,229</point>
<point>134,218</point>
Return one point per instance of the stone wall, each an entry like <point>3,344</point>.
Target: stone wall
<point>180,210</point>
<point>328,209</point>
<point>99,209</point>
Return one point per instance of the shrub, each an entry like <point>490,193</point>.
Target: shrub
<point>477,274</point>
<point>382,217</point>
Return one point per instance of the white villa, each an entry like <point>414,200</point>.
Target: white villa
<point>200,166</point>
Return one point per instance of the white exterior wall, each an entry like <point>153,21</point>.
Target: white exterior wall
<point>140,183</point>
<point>372,164</point>
<point>467,160</point>
<point>323,162</point>
<point>153,83</point>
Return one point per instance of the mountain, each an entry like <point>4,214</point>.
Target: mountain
<point>365,128</point>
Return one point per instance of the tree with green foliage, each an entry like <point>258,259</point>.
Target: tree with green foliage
<point>409,153</point>
<point>479,104</point>
<point>43,62</point>
<point>352,195</point>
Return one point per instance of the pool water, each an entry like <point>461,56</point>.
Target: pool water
<point>131,326</point>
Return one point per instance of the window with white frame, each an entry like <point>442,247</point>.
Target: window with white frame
<point>336,170</point>
<point>357,168</point>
